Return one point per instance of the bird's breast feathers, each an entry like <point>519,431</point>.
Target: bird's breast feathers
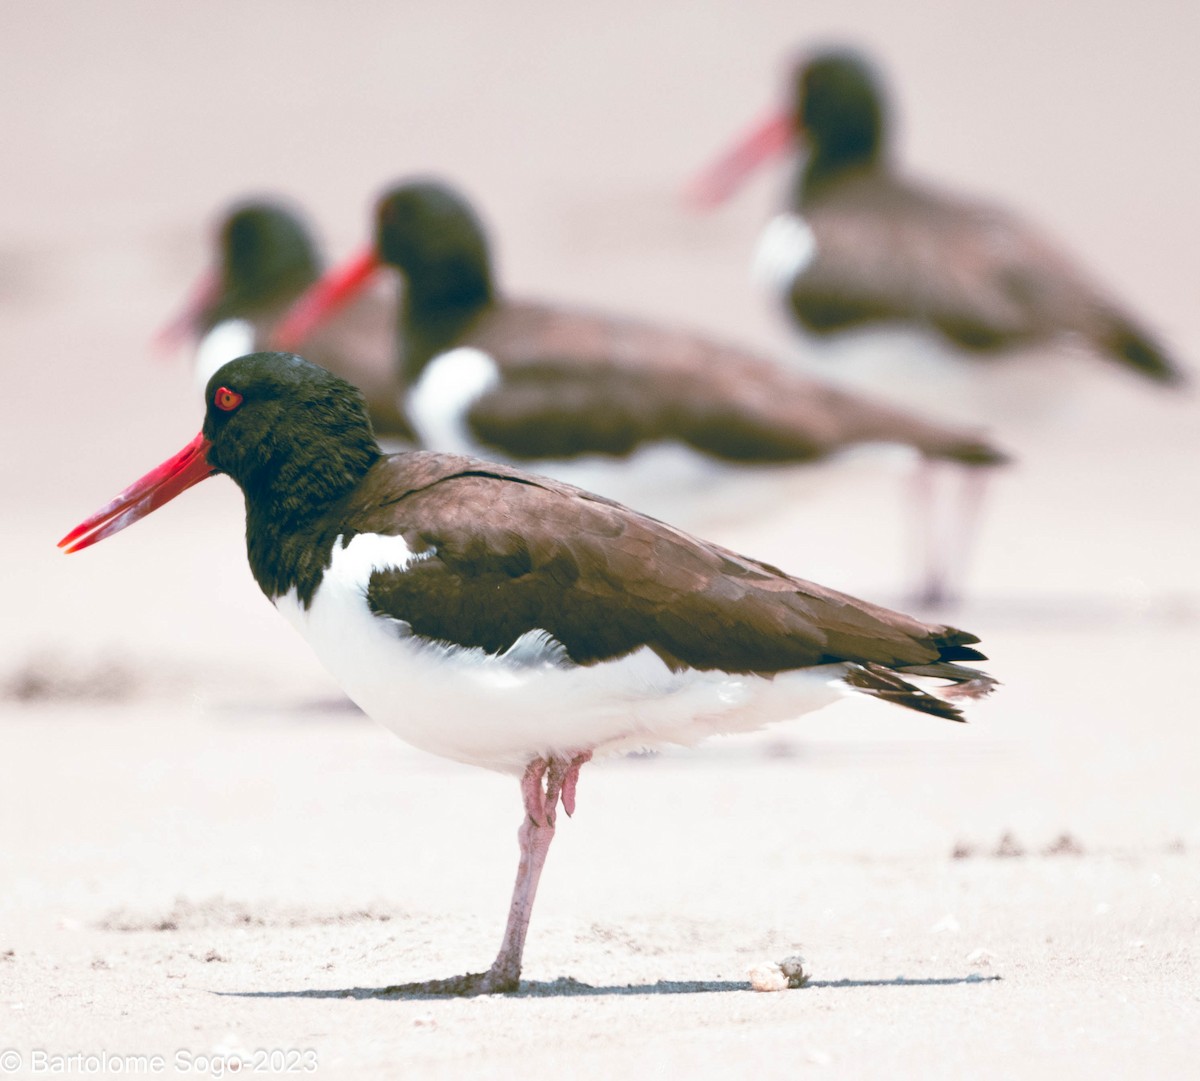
<point>500,709</point>
<point>442,397</point>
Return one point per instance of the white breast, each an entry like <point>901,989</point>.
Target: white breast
<point>501,711</point>
<point>786,248</point>
<point>447,388</point>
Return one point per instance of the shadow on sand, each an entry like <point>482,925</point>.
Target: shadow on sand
<point>566,987</point>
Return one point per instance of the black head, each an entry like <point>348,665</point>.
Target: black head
<point>430,233</point>
<point>840,110</point>
<point>268,256</point>
<point>292,435</point>
<point>295,438</point>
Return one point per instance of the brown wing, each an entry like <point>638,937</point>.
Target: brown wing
<point>510,552</point>
<point>891,250</point>
<point>576,383</point>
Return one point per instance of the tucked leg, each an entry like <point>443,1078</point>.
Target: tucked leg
<point>562,777</point>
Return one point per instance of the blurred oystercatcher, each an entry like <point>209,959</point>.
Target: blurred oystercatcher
<point>861,244</point>
<point>266,257</point>
<point>539,383</point>
<point>514,622</point>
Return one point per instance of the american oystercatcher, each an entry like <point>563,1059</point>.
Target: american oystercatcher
<point>540,383</point>
<point>861,244</point>
<point>266,257</point>
<point>514,622</point>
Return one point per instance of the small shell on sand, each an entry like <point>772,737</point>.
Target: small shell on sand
<point>778,975</point>
<point>767,976</point>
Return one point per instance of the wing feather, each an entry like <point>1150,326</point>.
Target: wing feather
<point>511,553</point>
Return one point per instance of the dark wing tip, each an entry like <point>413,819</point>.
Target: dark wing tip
<point>977,452</point>
<point>960,653</point>
<point>880,682</point>
<point>1136,349</point>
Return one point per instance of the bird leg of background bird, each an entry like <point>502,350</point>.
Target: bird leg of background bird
<point>932,587</point>
<point>946,506</point>
<point>964,526</point>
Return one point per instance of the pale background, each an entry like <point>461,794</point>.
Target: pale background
<point>183,744</point>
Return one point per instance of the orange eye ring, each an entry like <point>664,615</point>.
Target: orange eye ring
<point>226,399</point>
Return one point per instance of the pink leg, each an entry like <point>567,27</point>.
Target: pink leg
<point>945,532</point>
<point>931,590</point>
<point>974,488</point>
<point>542,786</point>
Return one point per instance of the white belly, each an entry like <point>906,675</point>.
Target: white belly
<point>501,711</point>
<point>1020,389</point>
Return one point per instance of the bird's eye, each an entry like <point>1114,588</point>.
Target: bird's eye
<point>227,399</point>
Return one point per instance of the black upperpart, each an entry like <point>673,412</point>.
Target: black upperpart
<point>268,257</point>
<point>507,553</point>
<point>840,113</point>
<point>431,235</point>
<point>297,444</point>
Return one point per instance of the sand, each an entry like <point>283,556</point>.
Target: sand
<point>207,856</point>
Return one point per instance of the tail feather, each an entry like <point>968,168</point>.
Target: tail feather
<point>971,451</point>
<point>955,645</point>
<point>956,652</point>
<point>964,682</point>
<point>889,685</point>
<point>880,682</point>
<point>1131,346</point>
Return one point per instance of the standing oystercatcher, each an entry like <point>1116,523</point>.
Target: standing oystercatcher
<point>540,383</point>
<point>861,244</point>
<point>266,257</point>
<point>514,622</point>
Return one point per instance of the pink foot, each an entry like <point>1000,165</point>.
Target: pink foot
<point>546,783</point>
<point>465,986</point>
<point>571,779</point>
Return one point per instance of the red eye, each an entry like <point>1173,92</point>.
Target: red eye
<point>227,399</point>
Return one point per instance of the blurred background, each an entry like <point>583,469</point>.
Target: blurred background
<point>167,740</point>
<point>129,126</point>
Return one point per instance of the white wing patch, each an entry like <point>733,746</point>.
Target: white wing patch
<point>225,342</point>
<point>786,248</point>
<point>438,404</point>
<point>502,710</point>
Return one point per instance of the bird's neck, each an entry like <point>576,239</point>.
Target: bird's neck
<point>437,310</point>
<point>829,164</point>
<point>259,298</point>
<point>293,518</point>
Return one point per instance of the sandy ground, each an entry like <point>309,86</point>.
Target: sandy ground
<point>205,853</point>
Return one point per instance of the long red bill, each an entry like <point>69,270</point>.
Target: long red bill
<point>720,180</point>
<point>183,325</point>
<point>161,485</point>
<point>321,299</point>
